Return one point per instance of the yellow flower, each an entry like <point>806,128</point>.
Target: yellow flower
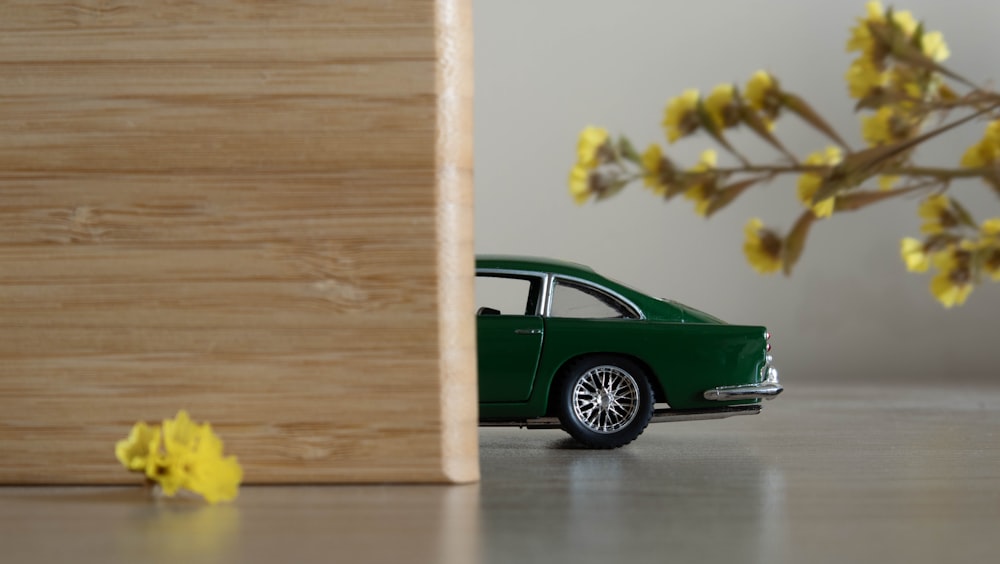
<point>991,247</point>
<point>215,477</point>
<point>861,36</point>
<point>704,187</point>
<point>936,211</point>
<point>991,227</point>
<point>913,255</point>
<point>656,171</point>
<point>579,183</point>
<point>166,468</point>
<point>949,291</point>
<point>875,35</point>
<point>874,46</point>
<point>911,84</point>
<point>180,432</point>
<point>762,247</point>
<point>764,95</point>
<point>181,454</point>
<point>680,118</point>
<point>652,158</point>
<point>905,22</point>
<point>886,126</point>
<point>863,79</point>
<point>876,84</point>
<point>133,452</point>
<point>592,150</point>
<point>706,162</point>
<point>933,45</point>
<point>589,145</point>
<point>987,150</point>
<point>173,454</point>
<point>952,285</point>
<point>886,182</point>
<point>992,264</point>
<point>723,107</point>
<point>810,182</point>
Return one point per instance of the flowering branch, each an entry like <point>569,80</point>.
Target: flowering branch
<point>900,82</point>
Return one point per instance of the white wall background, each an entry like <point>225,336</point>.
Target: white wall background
<point>547,68</point>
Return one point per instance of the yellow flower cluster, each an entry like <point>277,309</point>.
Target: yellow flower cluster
<point>654,165</point>
<point>699,183</point>
<point>181,455</point>
<point>704,183</point>
<point>896,75</point>
<point>591,152</point>
<point>762,247</point>
<point>681,118</point>
<point>897,61</point>
<point>810,182</point>
<point>764,95</point>
<point>961,251</point>
<point>724,108</point>
<point>986,152</point>
<point>591,177</point>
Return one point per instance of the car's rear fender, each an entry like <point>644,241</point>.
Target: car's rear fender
<point>683,359</point>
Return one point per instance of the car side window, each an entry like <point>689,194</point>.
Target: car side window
<point>573,299</point>
<point>507,294</point>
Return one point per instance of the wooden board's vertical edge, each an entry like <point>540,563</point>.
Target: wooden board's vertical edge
<point>456,262</point>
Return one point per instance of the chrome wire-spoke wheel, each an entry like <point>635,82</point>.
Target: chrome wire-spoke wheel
<point>605,399</point>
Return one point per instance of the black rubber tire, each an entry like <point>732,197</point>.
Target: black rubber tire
<point>621,423</point>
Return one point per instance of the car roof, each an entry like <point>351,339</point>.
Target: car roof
<point>649,307</point>
<point>533,264</point>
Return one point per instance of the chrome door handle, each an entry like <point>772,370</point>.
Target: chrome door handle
<point>527,331</point>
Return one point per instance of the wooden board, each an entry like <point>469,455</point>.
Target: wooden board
<point>256,211</point>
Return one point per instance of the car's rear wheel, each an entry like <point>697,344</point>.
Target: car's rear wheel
<point>604,401</point>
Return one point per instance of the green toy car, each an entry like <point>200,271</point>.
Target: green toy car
<point>562,346</point>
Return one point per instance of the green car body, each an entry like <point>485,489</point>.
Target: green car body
<point>695,364</point>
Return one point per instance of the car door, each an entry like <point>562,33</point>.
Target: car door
<point>509,333</point>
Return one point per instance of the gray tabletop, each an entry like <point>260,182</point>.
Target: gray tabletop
<point>824,474</point>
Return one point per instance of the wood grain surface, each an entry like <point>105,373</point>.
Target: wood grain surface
<point>256,211</point>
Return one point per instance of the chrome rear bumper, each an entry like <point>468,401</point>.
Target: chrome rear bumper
<point>767,388</point>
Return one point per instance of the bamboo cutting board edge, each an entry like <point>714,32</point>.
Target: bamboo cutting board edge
<point>459,394</point>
